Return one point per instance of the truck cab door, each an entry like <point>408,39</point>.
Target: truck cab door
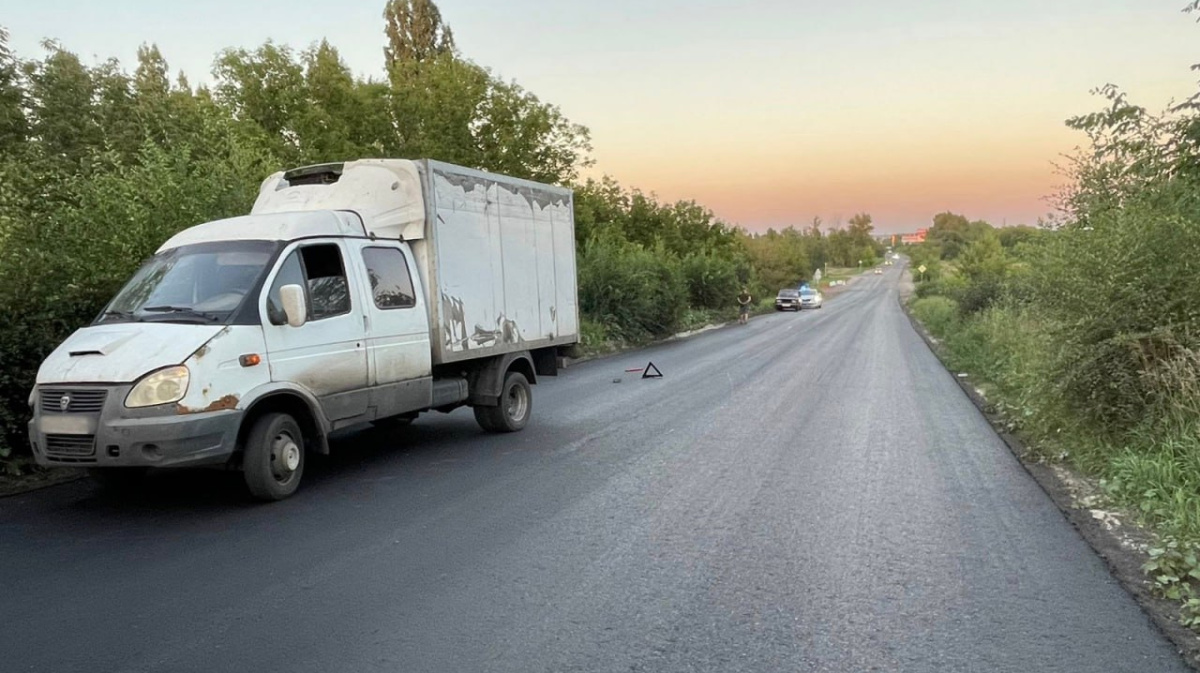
<point>397,322</point>
<point>327,355</point>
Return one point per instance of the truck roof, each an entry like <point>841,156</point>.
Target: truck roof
<point>382,198</point>
<point>270,227</point>
<point>387,194</point>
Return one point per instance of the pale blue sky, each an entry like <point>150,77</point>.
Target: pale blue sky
<point>768,111</point>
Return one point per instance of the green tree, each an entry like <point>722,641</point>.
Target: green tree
<point>264,88</point>
<point>861,227</point>
<point>342,118</point>
<point>14,127</point>
<point>116,111</point>
<point>435,107</point>
<point>415,32</point>
<point>520,135</point>
<point>61,97</point>
<point>1012,237</point>
<point>949,233</point>
<point>984,259</point>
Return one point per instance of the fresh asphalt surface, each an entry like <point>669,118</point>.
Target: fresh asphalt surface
<point>811,492</point>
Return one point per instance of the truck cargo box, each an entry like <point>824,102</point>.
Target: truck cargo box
<point>496,254</point>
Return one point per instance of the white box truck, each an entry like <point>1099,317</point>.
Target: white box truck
<point>366,291</point>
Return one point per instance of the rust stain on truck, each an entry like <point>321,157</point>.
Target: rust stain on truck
<point>224,404</point>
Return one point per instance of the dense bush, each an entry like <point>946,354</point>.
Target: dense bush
<point>636,293</point>
<point>643,262</point>
<point>939,314</point>
<point>1127,297</point>
<point>711,280</point>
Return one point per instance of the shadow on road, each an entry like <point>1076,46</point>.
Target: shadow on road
<point>360,453</point>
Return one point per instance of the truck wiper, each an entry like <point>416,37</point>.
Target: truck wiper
<point>183,310</point>
<point>123,315</point>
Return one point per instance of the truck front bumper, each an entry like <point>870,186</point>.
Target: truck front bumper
<point>120,437</point>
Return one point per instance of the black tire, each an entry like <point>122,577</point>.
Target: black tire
<point>117,479</point>
<point>273,457</point>
<point>514,408</point>
<point>484,419</point>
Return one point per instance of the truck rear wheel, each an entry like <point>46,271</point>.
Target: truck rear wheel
<point>273,458</point>
<point>513,408</point>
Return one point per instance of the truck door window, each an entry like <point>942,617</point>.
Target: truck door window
<point>328,290</point>
<point>391,283</point>
<point>319,270</point>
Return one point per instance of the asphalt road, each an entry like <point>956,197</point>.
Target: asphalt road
<point>810,492</point>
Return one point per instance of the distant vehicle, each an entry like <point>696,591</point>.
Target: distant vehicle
<point>878,271</point>
<point>787,299</point>
<point>811,298</point>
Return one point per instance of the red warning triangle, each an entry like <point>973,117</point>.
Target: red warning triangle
<point>651,368</point>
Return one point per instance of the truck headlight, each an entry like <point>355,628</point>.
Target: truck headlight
<point>161,387</point>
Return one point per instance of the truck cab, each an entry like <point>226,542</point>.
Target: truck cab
<point>244,342</point>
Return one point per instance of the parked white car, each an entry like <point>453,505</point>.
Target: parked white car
<point>810,298</point>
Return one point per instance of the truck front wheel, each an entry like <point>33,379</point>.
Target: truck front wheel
<point>513,408</point>
<point>273,457</point>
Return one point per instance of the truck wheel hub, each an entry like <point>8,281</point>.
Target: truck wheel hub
<point>285,456</point>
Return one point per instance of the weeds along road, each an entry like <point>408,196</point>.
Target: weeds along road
<point>811,492</point>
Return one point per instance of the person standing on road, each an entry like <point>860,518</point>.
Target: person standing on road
<point>744,300</point>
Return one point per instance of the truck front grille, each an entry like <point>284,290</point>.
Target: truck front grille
<point>79,401</point>
<point>70,447</point>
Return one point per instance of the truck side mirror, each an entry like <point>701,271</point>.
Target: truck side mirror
<point>294,307</point>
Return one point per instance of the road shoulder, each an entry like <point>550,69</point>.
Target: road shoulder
<point>1119,542</point>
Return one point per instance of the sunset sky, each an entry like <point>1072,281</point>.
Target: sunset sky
<point>769,112</point>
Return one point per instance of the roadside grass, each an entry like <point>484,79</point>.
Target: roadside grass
<point>838,273</point>
<point>19,474</point>
<point>1152,471</point>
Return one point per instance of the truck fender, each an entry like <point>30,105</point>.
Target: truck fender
<point>321,427</point>
<point>485,382</point>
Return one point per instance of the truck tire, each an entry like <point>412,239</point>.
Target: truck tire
<point>514,407</point>
<point>117,479</point>
<point>273,457</point>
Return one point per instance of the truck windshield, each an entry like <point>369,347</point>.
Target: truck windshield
<point>202,283</point>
